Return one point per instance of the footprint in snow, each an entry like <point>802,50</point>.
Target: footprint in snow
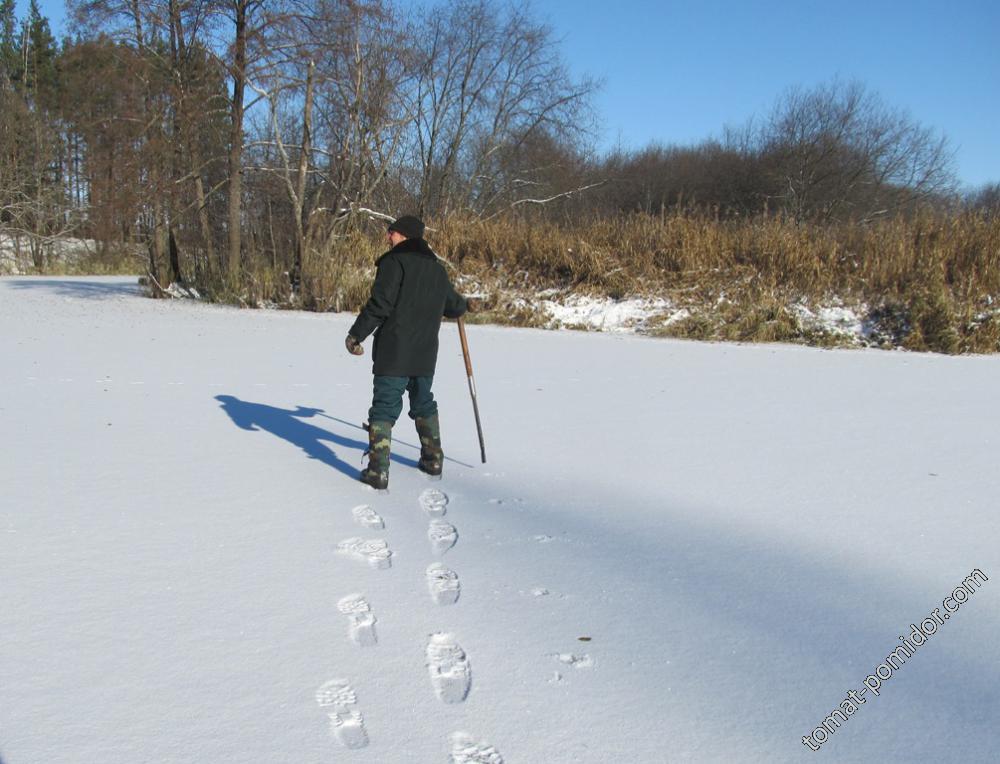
<point>442,536</point>
<point>465,749</point>
<point>443,584</point>
<point>574,660</point>
<point>361,620</point>
<point>449,669</point>
<point>346,723</point>
<point>375,551</point>
<point>367,517</point>
<point>434,502</point>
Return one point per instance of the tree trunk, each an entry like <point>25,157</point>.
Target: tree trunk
<point>298,198</point>
<point>175,257</point>
<point>188,128</point>
<point>236,143</point>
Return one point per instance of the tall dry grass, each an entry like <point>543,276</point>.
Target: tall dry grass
<point>930,282</point>
<point>885,258</point>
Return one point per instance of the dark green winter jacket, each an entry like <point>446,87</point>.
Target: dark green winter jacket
<point>410,295</point>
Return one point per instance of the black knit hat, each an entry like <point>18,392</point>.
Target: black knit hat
<point>410,226</point>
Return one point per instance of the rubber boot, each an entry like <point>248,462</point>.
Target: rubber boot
<point>431,455</point>
<point>376,474</point>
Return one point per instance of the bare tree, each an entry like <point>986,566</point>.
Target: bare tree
<point>242,50</point>
<point>196,96</point>
<point>362,110</point>
<point>488,80</point>
<point>242,15</point>
<point>986,199</point>
<point>331,85</point>
<point>293,162</point>
<point>159,45</point>
<point>33,199</point>
<point>32,202</point>
<point>838,151</point>
<point>136,28</point>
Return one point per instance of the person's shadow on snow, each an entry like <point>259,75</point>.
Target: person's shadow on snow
<point>287,424</point>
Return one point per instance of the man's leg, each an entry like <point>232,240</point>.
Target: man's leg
<point>424,412</point>
<point>387,399</point>
<point>387,403</point>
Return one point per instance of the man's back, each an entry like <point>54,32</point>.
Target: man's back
<point>410,296</point>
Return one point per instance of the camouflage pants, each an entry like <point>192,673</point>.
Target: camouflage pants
<point>387,398</point>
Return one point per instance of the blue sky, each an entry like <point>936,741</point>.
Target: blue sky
<point>678,71</point>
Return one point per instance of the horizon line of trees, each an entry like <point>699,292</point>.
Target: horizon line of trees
<point>218,132</point>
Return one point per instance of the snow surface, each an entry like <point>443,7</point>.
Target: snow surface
<point>834,319</point>
<point>676,552</point>
<point>605,313</point>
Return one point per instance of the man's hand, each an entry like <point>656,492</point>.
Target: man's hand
<point>353,346</point>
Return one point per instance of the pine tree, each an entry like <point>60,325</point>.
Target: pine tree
<point>8,44</point>
<point>40,80</point>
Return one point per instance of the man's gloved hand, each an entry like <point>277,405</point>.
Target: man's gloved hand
<point>353,346</point>
<point>473,304</point>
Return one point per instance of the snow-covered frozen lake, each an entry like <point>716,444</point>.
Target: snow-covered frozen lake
<point>676,551</point>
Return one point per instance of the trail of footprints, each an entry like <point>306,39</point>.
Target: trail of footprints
<point>448,666</point>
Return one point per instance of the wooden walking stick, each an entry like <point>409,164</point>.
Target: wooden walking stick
<point>472,384</point>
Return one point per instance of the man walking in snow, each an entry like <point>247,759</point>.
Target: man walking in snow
<point>410,296</point>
